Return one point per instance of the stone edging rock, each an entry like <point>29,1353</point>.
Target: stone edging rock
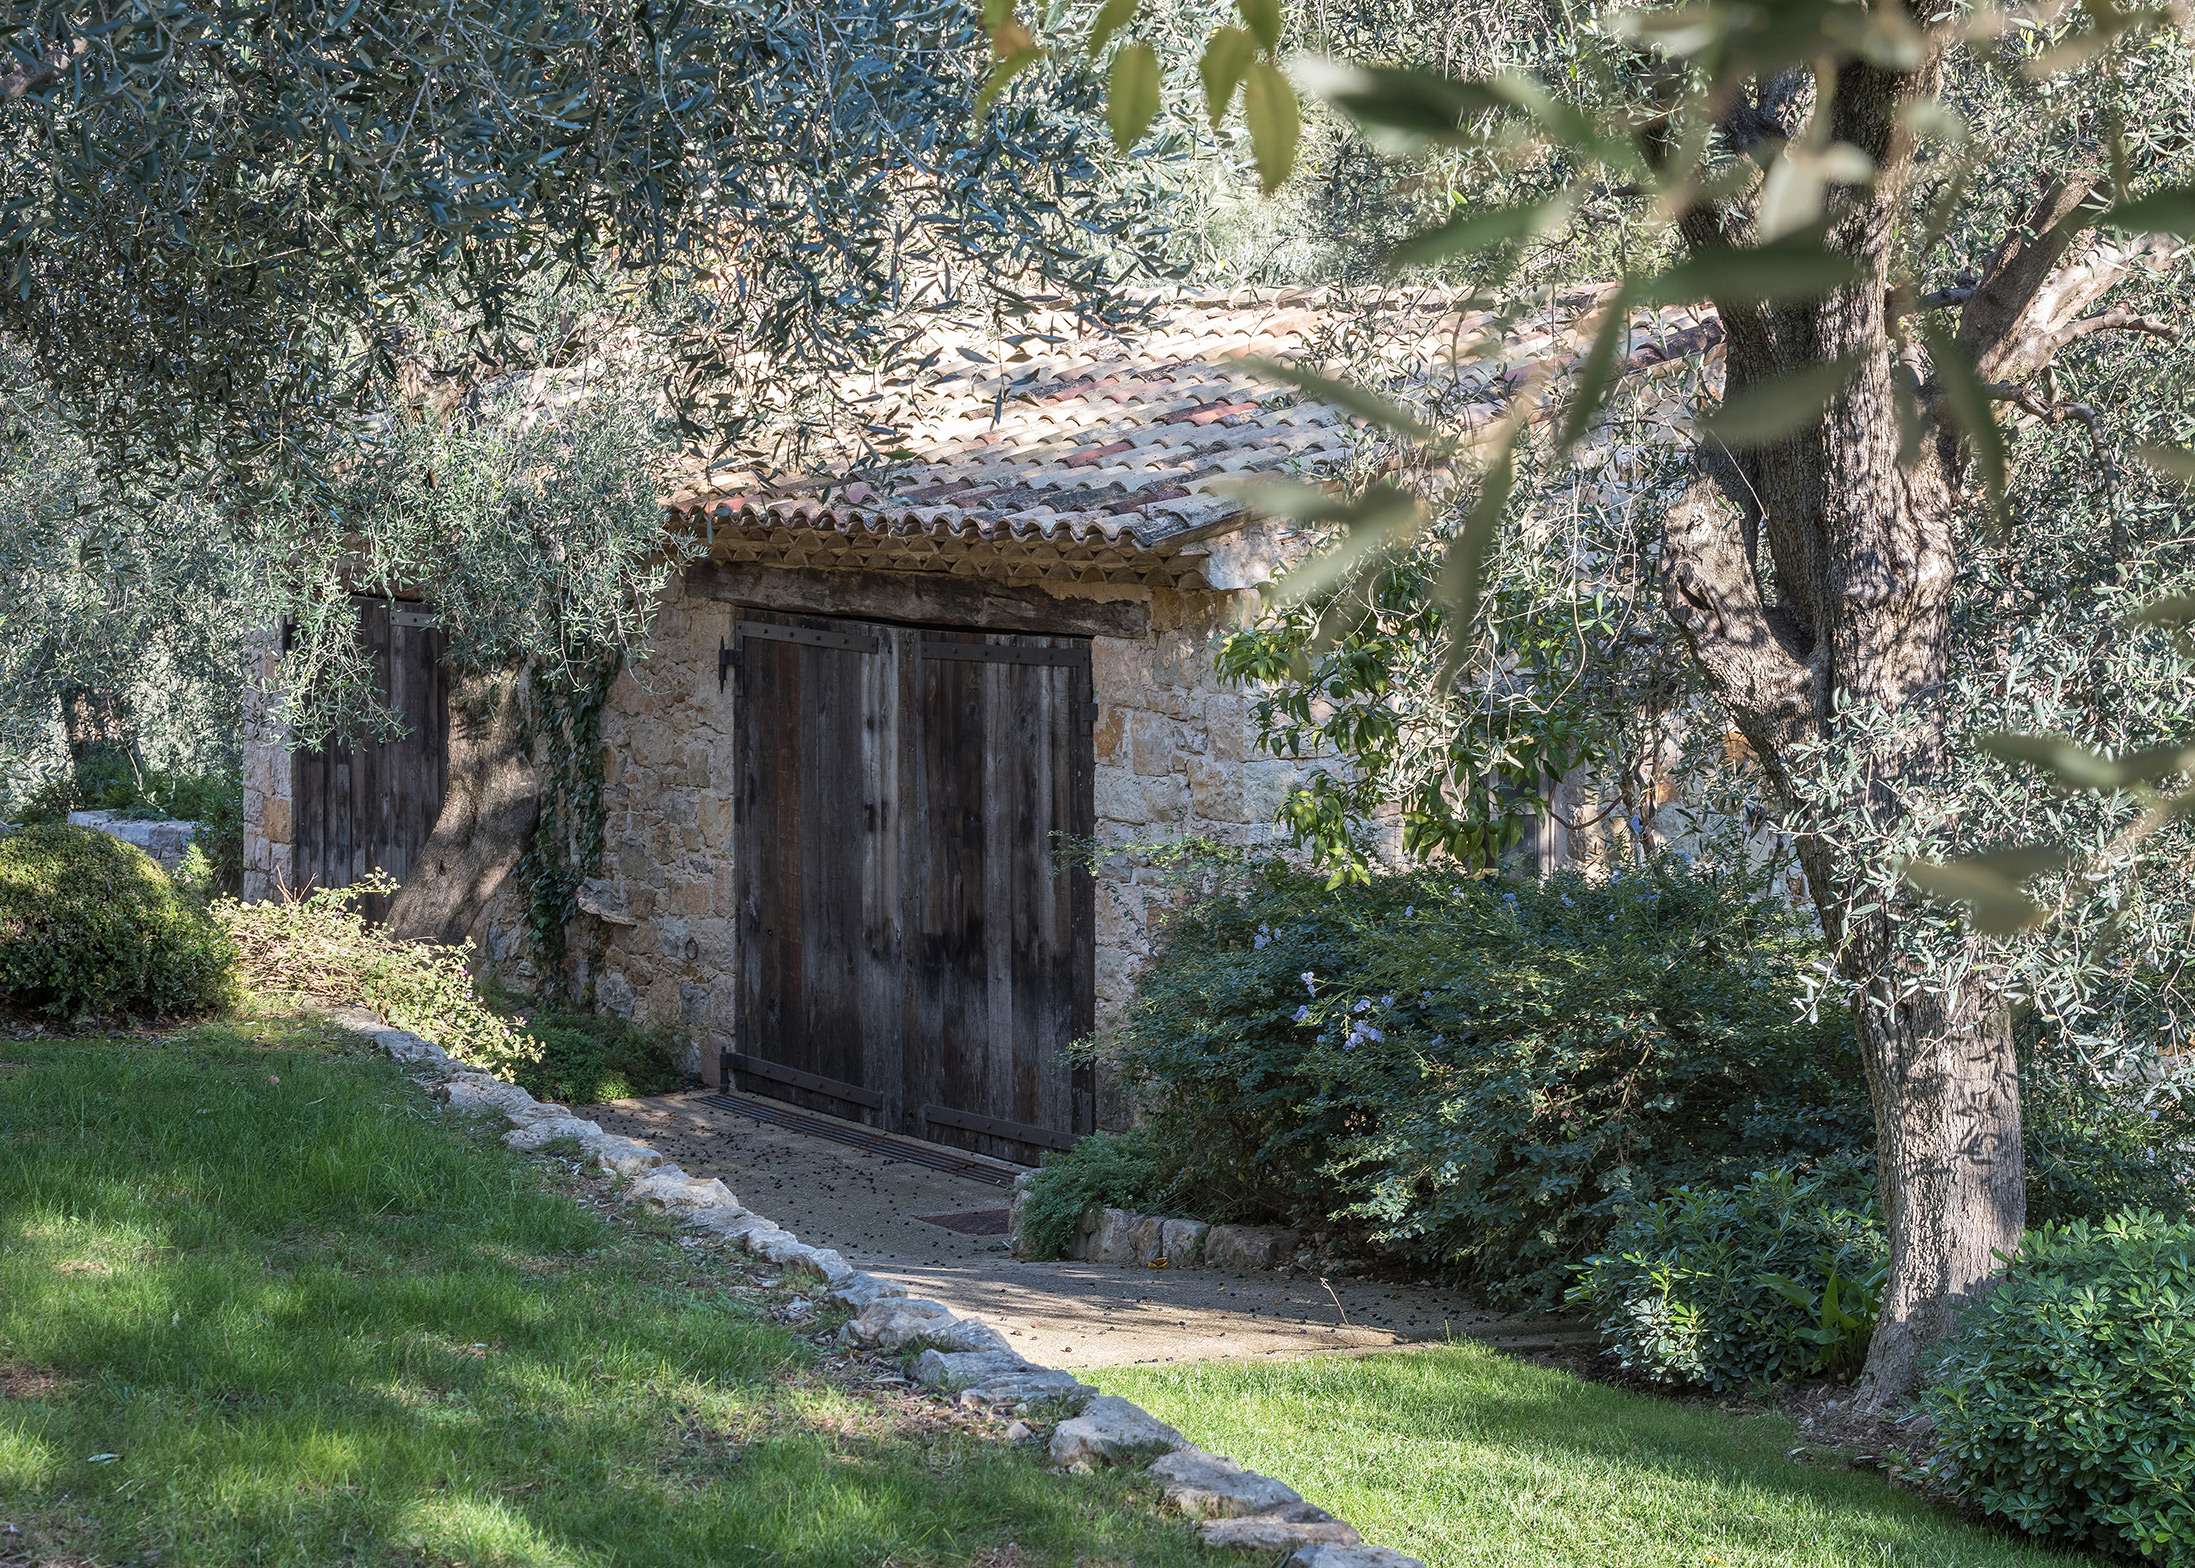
<point>1158,1240</point>
<point>955,1357</point>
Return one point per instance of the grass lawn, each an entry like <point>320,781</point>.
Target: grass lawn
<point>1466,1457</point>
<point>260,1305</point>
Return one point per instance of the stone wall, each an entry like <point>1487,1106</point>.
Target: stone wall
<point>656,939</point>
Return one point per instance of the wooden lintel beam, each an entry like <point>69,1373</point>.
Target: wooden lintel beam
<point>919,599</point>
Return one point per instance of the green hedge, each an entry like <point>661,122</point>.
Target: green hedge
<point>1474,1077</point>
<point>2066,1403</point>
<point>91,927</point>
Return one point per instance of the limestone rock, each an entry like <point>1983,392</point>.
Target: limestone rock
<point>1246,1249</point>
<point>727,1220</point>
<point>1113,1238</point>
<point>862,1291</point>
<point>1206,1486</point>
<point>1281,1530</point>
<point>547,1130</point>
<point>668,1187</point>
<point>789,1252</point>
<point>473,1094</point>
<point>1111,1431</point>
<point>1146,1239</point>
<point>1181,1242</point>
<point>902,1322</point>
<point>1339,1556</point>
<point>997,1378</point>
<point>620,1156</point>
<point>531,1111</point>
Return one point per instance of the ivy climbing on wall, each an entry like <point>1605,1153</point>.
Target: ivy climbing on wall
<point>563,733</point>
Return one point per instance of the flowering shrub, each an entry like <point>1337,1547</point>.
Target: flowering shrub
<point>1775,1278</point>
<point>2066,1403</point>
<point>1472,1076</point>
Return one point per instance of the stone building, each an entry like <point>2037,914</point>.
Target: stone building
<point>879,707</point>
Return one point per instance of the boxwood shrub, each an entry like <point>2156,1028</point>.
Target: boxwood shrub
<point>1774,1279</point>
<point>2065,1405</point>
<point>91,927</point>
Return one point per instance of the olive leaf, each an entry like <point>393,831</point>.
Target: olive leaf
<point>1351,399</point>
<point>1111,18</point>
<point>1482,229</point>
<point>1988,885</point>
<point>1967,400</point>
<point>2170,210</point>
<point>1264,19</point>
<point>1131,94</point>
<point>1227,55</point>
<point>1791,269</point>
<point>1269,108</point>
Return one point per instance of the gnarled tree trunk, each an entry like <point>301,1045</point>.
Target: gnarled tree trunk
<point>1861,515</point>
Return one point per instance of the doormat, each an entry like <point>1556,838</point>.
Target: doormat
<point>976,1222</point>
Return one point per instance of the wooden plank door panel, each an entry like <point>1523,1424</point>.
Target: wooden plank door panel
<point>817,856</point>
<point>358,807</point>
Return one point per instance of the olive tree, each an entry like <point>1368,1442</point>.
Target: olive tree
<point>256,252</point>
<point>1894,273</point>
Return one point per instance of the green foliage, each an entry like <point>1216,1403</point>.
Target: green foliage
<point>1124,1170</point>
<point>2094,1149</point>
<point>1769,1280</point>
<point>564,725</point>
<point>587,1058</point>
<point>2065,1405</point>
<point>1473,1077</point>
<point>320,948</point>
<point>91,927</point>
<point>213,799</point>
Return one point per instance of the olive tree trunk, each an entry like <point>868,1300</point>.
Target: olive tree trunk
<point>1859,515</point>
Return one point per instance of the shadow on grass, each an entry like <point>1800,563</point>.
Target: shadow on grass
<point>312,1325</point>
<point>1466,1457</point>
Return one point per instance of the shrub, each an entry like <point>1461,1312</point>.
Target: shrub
<point>2094,1149</point>
<point>1473,1076</point>
<point>1773,1279</point>
<point>112,781</point>
<point>320,948</point>
<point>2065,1405</point>
<point>590,1057</point>
<point>91,927</point>
<point>1126,1170</point>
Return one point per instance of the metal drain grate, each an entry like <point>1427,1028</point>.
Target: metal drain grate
<point>928,1156</point>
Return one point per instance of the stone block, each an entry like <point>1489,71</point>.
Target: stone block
<point>277,824</point>
<point>1324,1555</point>
<point>1112,1239</point>
<point>1215,790</point>
<point>1110,735</point>
<point>1147,1240</point>
<point>549,1129</point>
<point>1181,1242</point>
<point>1283,1529</point>
<point>1165,799</point>
<point>1154,743</point>
<point>1117,796</point>
<point>1111,1431</point>
<point>620,1156</point>
<point>669,1188</point>
<point>1247,1249</point>
<point>1206,1486</point>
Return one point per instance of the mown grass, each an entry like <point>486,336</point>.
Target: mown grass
<point>1471,1459</point>
<point>260,1305</point>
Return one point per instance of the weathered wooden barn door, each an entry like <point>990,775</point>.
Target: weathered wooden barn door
<point>817,854</point>
<point>370,805</point>
<point>1000,929</point>
<point>913,952</point>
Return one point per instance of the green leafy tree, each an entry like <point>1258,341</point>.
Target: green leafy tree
<point>1909,228</point>
<point>258,253</point>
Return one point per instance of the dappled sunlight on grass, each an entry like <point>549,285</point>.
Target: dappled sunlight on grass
<point>1466,1458</point>
<point>314,1322</point>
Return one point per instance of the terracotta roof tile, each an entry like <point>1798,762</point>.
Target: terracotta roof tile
<point>1096,445</point>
